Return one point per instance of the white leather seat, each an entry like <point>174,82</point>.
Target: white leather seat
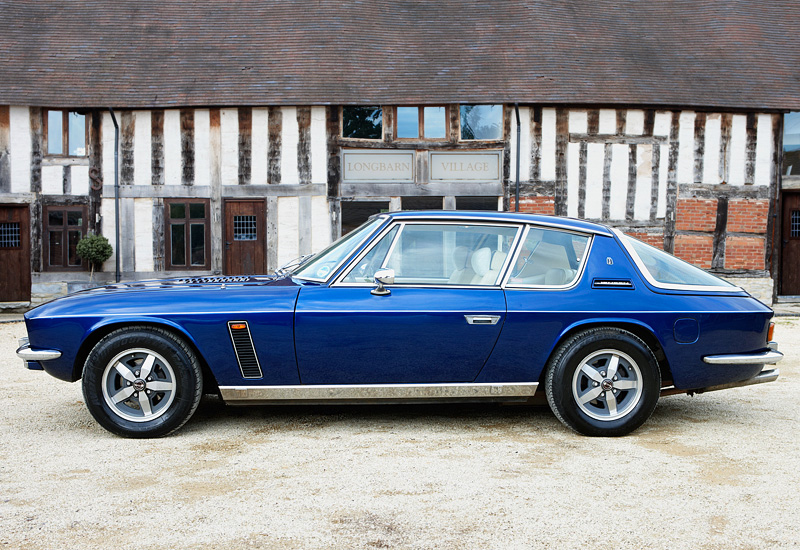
<point>487,266</point>
<point>463,273</point>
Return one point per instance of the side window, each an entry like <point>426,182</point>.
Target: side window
<point>362,122</point>
<point>439,254</point>
<point>64,226</point>
<point>187,234</point>
<point>549,257</point>
<point>65,133</point>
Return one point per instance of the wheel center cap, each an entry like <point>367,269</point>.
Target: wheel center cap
<point>607,385</point>
<point>139,384</point>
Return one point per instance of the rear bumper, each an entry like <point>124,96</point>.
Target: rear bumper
<point>31,357</point>
<point>761,358</point>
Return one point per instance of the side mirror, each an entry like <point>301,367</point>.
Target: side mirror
<point>383,277</point>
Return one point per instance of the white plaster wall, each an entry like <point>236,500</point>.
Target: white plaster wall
<point>108,149</point>
<point>595,154</point>
<point>260,147</point>
<point>172,147</point>
<point>644,181</point>
<point>289,139</point>
<point>319,146</point>
<point>663,173</point>
<point>736,151</point>
<point>20,153</point>
<point>143,231</point>
<point>320,223</point>
<point>578,124</point>
<point>686,147</point>
<point>80,180</point>
<point>202,155</point>
<point>525,144</point>
<point>548,147</point>
<point>712,147</point>
<point>634,122</point>
<point>52,180</point>
<point>662,123</point>
<point>288,229</point>
<point>110,230</point>
<point>763,171</point>
<point>229,134</point>
<point>142,149</point>
<point>607,121</point>
<point>619,181</point>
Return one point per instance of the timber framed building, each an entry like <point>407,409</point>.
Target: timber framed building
<point>255,133</point>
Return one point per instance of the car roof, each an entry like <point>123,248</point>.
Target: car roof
<point>487,215</point>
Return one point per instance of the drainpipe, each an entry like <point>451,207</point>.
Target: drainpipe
<point>516,197</point>
<point>116,190</point>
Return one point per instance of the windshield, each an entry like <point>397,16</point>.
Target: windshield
<point>320,266</point>
<point>667,271</point>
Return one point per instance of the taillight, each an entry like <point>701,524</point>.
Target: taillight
<point>770,331</point>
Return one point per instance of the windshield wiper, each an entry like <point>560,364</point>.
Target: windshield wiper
<point>289,266</point>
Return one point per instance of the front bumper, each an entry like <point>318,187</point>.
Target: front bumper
<point>31,357</point>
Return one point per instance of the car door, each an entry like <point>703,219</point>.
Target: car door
<point>438,323</point>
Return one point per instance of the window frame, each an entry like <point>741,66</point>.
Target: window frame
<point>371,140</point>
<point>502,123</point>
<point>507,284</point>
<point>46,229</point>
<point>187,222</point>
<point>498,284</point>
<point>421,124</point>
<point>64,134</point>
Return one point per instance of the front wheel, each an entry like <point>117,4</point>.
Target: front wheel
<point>603,382</point>
<point>142,382</point>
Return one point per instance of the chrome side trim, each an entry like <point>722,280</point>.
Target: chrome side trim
<point>763,357</point>
<point>482,319</point>
<point>349,393</point>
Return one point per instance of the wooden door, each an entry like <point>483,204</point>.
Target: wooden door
<point>15,254</point>
<point>790,257</point>
<point>245,237</point>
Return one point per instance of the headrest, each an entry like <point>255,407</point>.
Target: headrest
<point>481,261</point>
<point>498,260</point>
<point>460,255</point>
<point>555,276</point>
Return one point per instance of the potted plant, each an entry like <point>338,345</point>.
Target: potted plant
<point>94,249</point>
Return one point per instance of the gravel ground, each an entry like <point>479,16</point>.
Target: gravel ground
<point>716,471</point>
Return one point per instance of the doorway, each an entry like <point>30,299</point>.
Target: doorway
<point>15,254</point>
<point>790,245</point>
<point>245,237</point>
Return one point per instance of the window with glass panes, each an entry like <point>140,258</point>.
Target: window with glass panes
<point>64,226</point>
<point>360,122</point>
<point>65,132</point>
<point>187,234</point>
<point>481,122</point>
<point>421,123</point>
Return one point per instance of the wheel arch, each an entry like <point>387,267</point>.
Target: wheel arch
<point>637,328</point>
<point>102,329</point>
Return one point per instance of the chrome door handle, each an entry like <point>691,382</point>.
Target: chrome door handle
<point>482,319</point>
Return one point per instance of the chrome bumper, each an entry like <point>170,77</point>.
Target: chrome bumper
<point>764,357</point>
<point>27,354</point>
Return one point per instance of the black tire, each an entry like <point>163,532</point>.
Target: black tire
<point>581,395</point>
<point>154,404</point>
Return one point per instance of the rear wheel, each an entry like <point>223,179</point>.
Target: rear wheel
<point>603,382</point>
<point>142,382</point>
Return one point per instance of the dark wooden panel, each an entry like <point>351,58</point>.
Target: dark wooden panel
<point>157,146</point>
<point>245,144</point>
<point>245,257</point>
<point>15,263</point>
<point>790,258</point>
<point>187,146</point>
<point>304,144</point>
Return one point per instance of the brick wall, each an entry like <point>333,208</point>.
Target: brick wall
<point>535,205</point>
<point>653,239</point>
<point>695,249</point>
<point>696,215</point>
<point>748,216</point>
<point>744,253</point>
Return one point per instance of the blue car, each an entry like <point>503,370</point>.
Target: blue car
<point>416,307</point>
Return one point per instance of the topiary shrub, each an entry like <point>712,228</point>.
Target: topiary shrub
<point>94,249</point>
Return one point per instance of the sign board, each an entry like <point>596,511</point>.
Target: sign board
<point>378,166</point>
<point>467,166</point>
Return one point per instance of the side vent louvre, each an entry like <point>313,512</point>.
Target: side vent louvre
<point>243,346</point>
